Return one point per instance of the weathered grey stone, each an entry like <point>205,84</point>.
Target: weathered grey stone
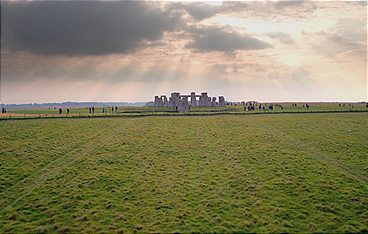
<point>174,100</point>
<point>213,102</point>
<point>193,100</point>
<point>184,105</point>
<point>221,101</point>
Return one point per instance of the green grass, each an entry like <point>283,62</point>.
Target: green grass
<point>255,173</point>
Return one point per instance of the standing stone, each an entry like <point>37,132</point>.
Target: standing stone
<point>164,101</point>
<point>213,103</point>
<point>183,105</point>
<point>221,101</point>
<point>156,101</point>
<point>193,100</point>
<point>203,100</point>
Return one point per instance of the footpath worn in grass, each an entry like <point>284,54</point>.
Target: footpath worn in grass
<point>261,173</point>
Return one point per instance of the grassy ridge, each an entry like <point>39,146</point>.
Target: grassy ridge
<point>222,173</point>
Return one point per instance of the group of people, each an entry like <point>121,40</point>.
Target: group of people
<point>113,109</point>
<point>3,110</point>
<point>61,111</point>
<point>252,107</point>
<point>104,109</point>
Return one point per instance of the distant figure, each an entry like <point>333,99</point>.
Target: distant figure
<point>2,110</point>
<point>90,110</point>
<point>343,105</point>
<point>260,107</point>
<point>68,111</point>
<point>60,111</point>
<point>303,105</point>
<point>352,107</point>
<point>93,109</point>
<point>112,109</point>
<point>366,105</point>
<point>282,108</point>
<point>339,104</point>
<point>307,105</point>
<point>263,108</point>
<point>245,108</point>
<point>103,109</point>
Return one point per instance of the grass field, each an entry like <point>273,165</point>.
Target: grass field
<point>253,173</point>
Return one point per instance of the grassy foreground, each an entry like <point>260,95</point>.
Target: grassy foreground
<point>256,173</point>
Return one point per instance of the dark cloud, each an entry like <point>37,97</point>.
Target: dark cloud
<point>225,39</point>
<point>282,37</point>
<point>82,28</point>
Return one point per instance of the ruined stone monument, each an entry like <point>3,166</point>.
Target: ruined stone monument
<point>181,103</point>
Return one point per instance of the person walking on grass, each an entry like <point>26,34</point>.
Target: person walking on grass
<point>93,109</point>
<point>68,111</point>
<point>60,111</point>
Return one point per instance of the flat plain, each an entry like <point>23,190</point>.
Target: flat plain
<point>248,173</point>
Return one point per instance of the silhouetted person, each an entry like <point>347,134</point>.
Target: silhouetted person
<point>2,110</point>
<point>339,104</point>
<point>103,109</point>
<point>116,109</point>
<point>245,108</point>
<point>93,109</point>
<point>68,111</point>
<point>60,111</point>
<point>307,105</point>
<point>112,109</point>
<point>90,110</point>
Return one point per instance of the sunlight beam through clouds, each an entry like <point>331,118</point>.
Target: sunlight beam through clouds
<point>267,51</point>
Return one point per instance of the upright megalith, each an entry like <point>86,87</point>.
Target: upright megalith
<point>164,101</point>
<point>193,99</point>
<point>221,101</point>
<point>203,99</point>
<point>183,105</point>
<point>174,99</point>
<point>213,102</point>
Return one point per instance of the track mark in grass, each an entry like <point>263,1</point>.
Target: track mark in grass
<point>278,133</point>
<point>71,151</point>
<point>98,140</point>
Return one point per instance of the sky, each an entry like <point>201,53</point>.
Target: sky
<point>57,51</point>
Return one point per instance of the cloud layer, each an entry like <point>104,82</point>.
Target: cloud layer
<point>82,28</point>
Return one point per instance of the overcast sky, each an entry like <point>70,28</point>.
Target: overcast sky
<point>132,51</point>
